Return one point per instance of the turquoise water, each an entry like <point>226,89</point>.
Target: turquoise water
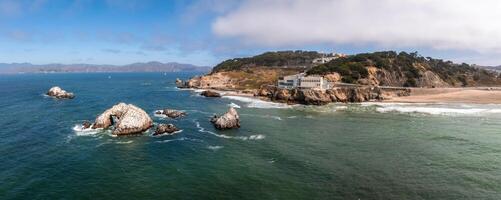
<point>358,151</point>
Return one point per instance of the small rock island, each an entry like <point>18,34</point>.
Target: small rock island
<point>127,119</point>
<point>59,93</point>
<point>228,120</point>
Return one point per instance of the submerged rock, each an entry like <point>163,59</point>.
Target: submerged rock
<point>86,124</point>
<point>60,93</point>
<point>171,113</point>
<point>227,121</point>
<point>210,93</point>
<point>126,119</point>
<point>165,128</point>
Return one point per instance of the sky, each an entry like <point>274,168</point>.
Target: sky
<point>206,32</point>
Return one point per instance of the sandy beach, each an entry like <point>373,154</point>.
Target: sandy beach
<point>452,95</point>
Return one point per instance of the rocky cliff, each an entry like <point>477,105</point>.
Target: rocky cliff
<point>370,73</point>
<point>338,94</point>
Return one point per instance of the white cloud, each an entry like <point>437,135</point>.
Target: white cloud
<point>438,24</point>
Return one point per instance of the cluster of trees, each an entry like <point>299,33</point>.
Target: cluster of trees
<point>270,59</point>
<point>405,64</point>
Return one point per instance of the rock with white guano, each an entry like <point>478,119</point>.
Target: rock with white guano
<point>59,93</point>
<point>126,118</point>
<point>228,120</point>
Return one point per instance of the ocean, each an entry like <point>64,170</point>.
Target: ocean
<point>338,151</point>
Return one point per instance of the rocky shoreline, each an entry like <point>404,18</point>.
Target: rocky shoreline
<point>344,94</point>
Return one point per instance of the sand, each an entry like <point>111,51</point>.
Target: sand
<point>452,95</point>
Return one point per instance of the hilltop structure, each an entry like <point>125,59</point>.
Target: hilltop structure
<point>327,58</point>
<point>301,81</point>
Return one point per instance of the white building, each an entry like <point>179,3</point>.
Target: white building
<point>301,81</point>
<point>327,58</point>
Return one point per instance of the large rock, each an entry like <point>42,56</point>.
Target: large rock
<point>316,97</point>
<point>165,129</point>
<point>227,121</point>
<point>126,119</point>
<point>210,93</point>
<point>60,93</point>
<point>171,113</point>
<point>180,83</point>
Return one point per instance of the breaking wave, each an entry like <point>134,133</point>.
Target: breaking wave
<point>251,137</point>
<point>175,132</point>
<point>257,103</point>
<point>80,131</point>
<point>234,105</point>
<point>436,108</point>
<point>214,147</point>
<point>263,116</point>
<point>179,139</point>
<point>124,142</point>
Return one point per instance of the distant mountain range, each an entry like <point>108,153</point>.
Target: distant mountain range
<point>12,68</point>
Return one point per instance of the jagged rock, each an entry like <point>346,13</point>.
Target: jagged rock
<point>171,113</point>
<point>126,119</point>
<point>283,95</point>
<point>316,97</point>
<point>227,121</point>
<point>86,124</point>
<point>60,93</point>
<point>165,128</point>
<point>210,93</point>
<point>333,77</point>
<point>180,83</point>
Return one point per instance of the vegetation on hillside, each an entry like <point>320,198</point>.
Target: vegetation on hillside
<point>269,59</point>
<point>408,66</point>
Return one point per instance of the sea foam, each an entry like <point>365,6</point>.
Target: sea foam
<point>80,131</point>
<point>437,108</point>
<point>257,103</point>
<point>234,105</point>
<point>251,137</point>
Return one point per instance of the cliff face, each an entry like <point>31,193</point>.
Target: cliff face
<point>245,79</point>
<point>322,97</point>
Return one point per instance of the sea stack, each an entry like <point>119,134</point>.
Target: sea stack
<point>227,121</point>
<point>170,129</point>
<point>126,118</point>
<point>210,93</point>
<point>59,93</point>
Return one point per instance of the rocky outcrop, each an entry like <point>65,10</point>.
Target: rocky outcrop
<point>227,121</point>
<point>125,118</point>
<point>165,129</point>
<point>59,93</point>
<point>214,81</point>
<point>210,93</point>
<point>86,124</point>
<point>337,94</point>
<point>170,113</point>
<point>180,83</point>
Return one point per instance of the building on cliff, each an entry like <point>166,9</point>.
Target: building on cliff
<point>301,81</point>
<point>327,58</point>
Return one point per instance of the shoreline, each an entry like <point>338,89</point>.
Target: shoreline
<point>477,95</point>
<point>451,95</point>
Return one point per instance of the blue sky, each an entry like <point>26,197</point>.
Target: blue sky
<point>205,32</point>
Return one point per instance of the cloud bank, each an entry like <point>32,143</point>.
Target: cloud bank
<point>438,24</point>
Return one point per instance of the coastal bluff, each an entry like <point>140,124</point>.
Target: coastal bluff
<point>345,94</point>
<point>336,94</point>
